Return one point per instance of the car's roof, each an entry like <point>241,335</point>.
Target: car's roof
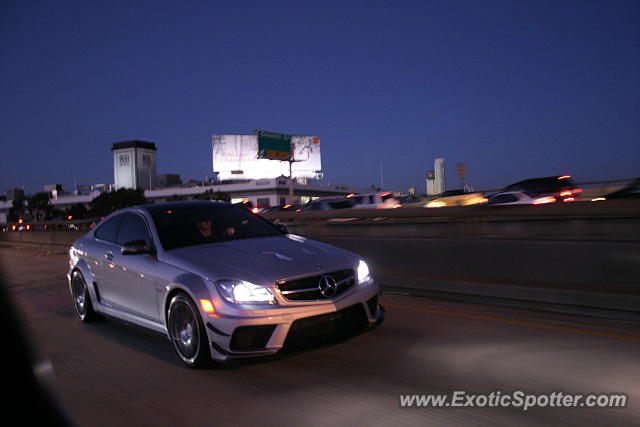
<point>555,178</point>
<point>184,203</point>
<point>510,192</point>
<point>450,193</point>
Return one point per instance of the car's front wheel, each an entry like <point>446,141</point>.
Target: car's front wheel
<point>81,299</point>
<point>186,332</point>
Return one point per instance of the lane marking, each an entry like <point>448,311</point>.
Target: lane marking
<point>515,322</point>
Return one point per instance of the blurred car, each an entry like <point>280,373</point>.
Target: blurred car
<point>374,201</point>
<point>456,198</point>
<point>20,225</point>
<point>518,198</point>
<point>562,187</point>
<point>631,191</point>
<point>328,204</point>
<point>291,207</point>
<point>218,281</point>
<point>249,206</point>
<point>412,200</point>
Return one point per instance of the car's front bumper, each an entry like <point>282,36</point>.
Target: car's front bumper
<point>264,332</point>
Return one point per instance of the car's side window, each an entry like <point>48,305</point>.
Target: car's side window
<point>133,227</point>
<point>107,230</point>
<point>506,198</point>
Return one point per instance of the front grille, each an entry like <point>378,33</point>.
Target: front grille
<point>247,338</point>
<point>308,288</point>
<point>326,327</point>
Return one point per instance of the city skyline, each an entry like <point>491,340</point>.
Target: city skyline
<point>512,90</point>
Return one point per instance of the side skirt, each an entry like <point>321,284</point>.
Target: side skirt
<point>131,318</point>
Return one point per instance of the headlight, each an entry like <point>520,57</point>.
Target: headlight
<point>241,292</point>
<point>436,204</point>
<point>363,271</point>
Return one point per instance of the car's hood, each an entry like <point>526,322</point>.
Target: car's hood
<point>262,260</point>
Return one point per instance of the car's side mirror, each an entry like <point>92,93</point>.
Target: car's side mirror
<point>135,247</point>
<point>282,227</point>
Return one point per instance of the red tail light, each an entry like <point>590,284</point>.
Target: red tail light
<point>566,193</point>
<point>577,190</point>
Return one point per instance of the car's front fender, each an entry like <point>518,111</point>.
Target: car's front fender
<point>192,285</point>
<point>78,263</point>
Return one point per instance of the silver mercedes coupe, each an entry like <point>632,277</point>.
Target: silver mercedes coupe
<point>219,281</point>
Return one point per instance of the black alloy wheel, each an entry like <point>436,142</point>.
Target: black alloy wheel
<point>81,299</point>
<point>186,332</point>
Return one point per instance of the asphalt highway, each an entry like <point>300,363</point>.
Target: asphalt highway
<point>110,373</point>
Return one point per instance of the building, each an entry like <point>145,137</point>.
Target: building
<point>165,180</point>
<point>91,188</point>
<point>4,210</point>
<point>53,187</point>
<point>134,164</point>
<point>440,185</point>
<point>431,183</point>
<point>14,193</point>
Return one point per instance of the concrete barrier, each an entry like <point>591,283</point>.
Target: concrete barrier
<point>580,255</point>
<point>54,241</point>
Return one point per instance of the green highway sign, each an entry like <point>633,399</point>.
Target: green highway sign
<point>273,145</point>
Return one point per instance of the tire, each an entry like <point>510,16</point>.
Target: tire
<point>81,298</point>
<point>187,333</point>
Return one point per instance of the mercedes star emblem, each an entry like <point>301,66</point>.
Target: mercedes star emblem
<point>327,286</point>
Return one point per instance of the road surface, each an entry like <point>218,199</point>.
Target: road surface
<point>109,373</point>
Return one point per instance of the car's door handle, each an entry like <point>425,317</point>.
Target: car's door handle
<point>108,255</point>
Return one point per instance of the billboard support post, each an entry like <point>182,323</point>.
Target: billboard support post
<point>291,180</point>
<point>462,172</point>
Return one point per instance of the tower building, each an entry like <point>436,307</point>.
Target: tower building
<point>134,164</point>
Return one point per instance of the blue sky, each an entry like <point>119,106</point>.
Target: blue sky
<point>514,89</point>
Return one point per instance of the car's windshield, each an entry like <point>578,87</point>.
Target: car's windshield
<point>189,224</point>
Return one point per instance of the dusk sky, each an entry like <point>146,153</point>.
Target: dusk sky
<point>514,89</point>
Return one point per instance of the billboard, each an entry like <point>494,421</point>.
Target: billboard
<point>236,157</point>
